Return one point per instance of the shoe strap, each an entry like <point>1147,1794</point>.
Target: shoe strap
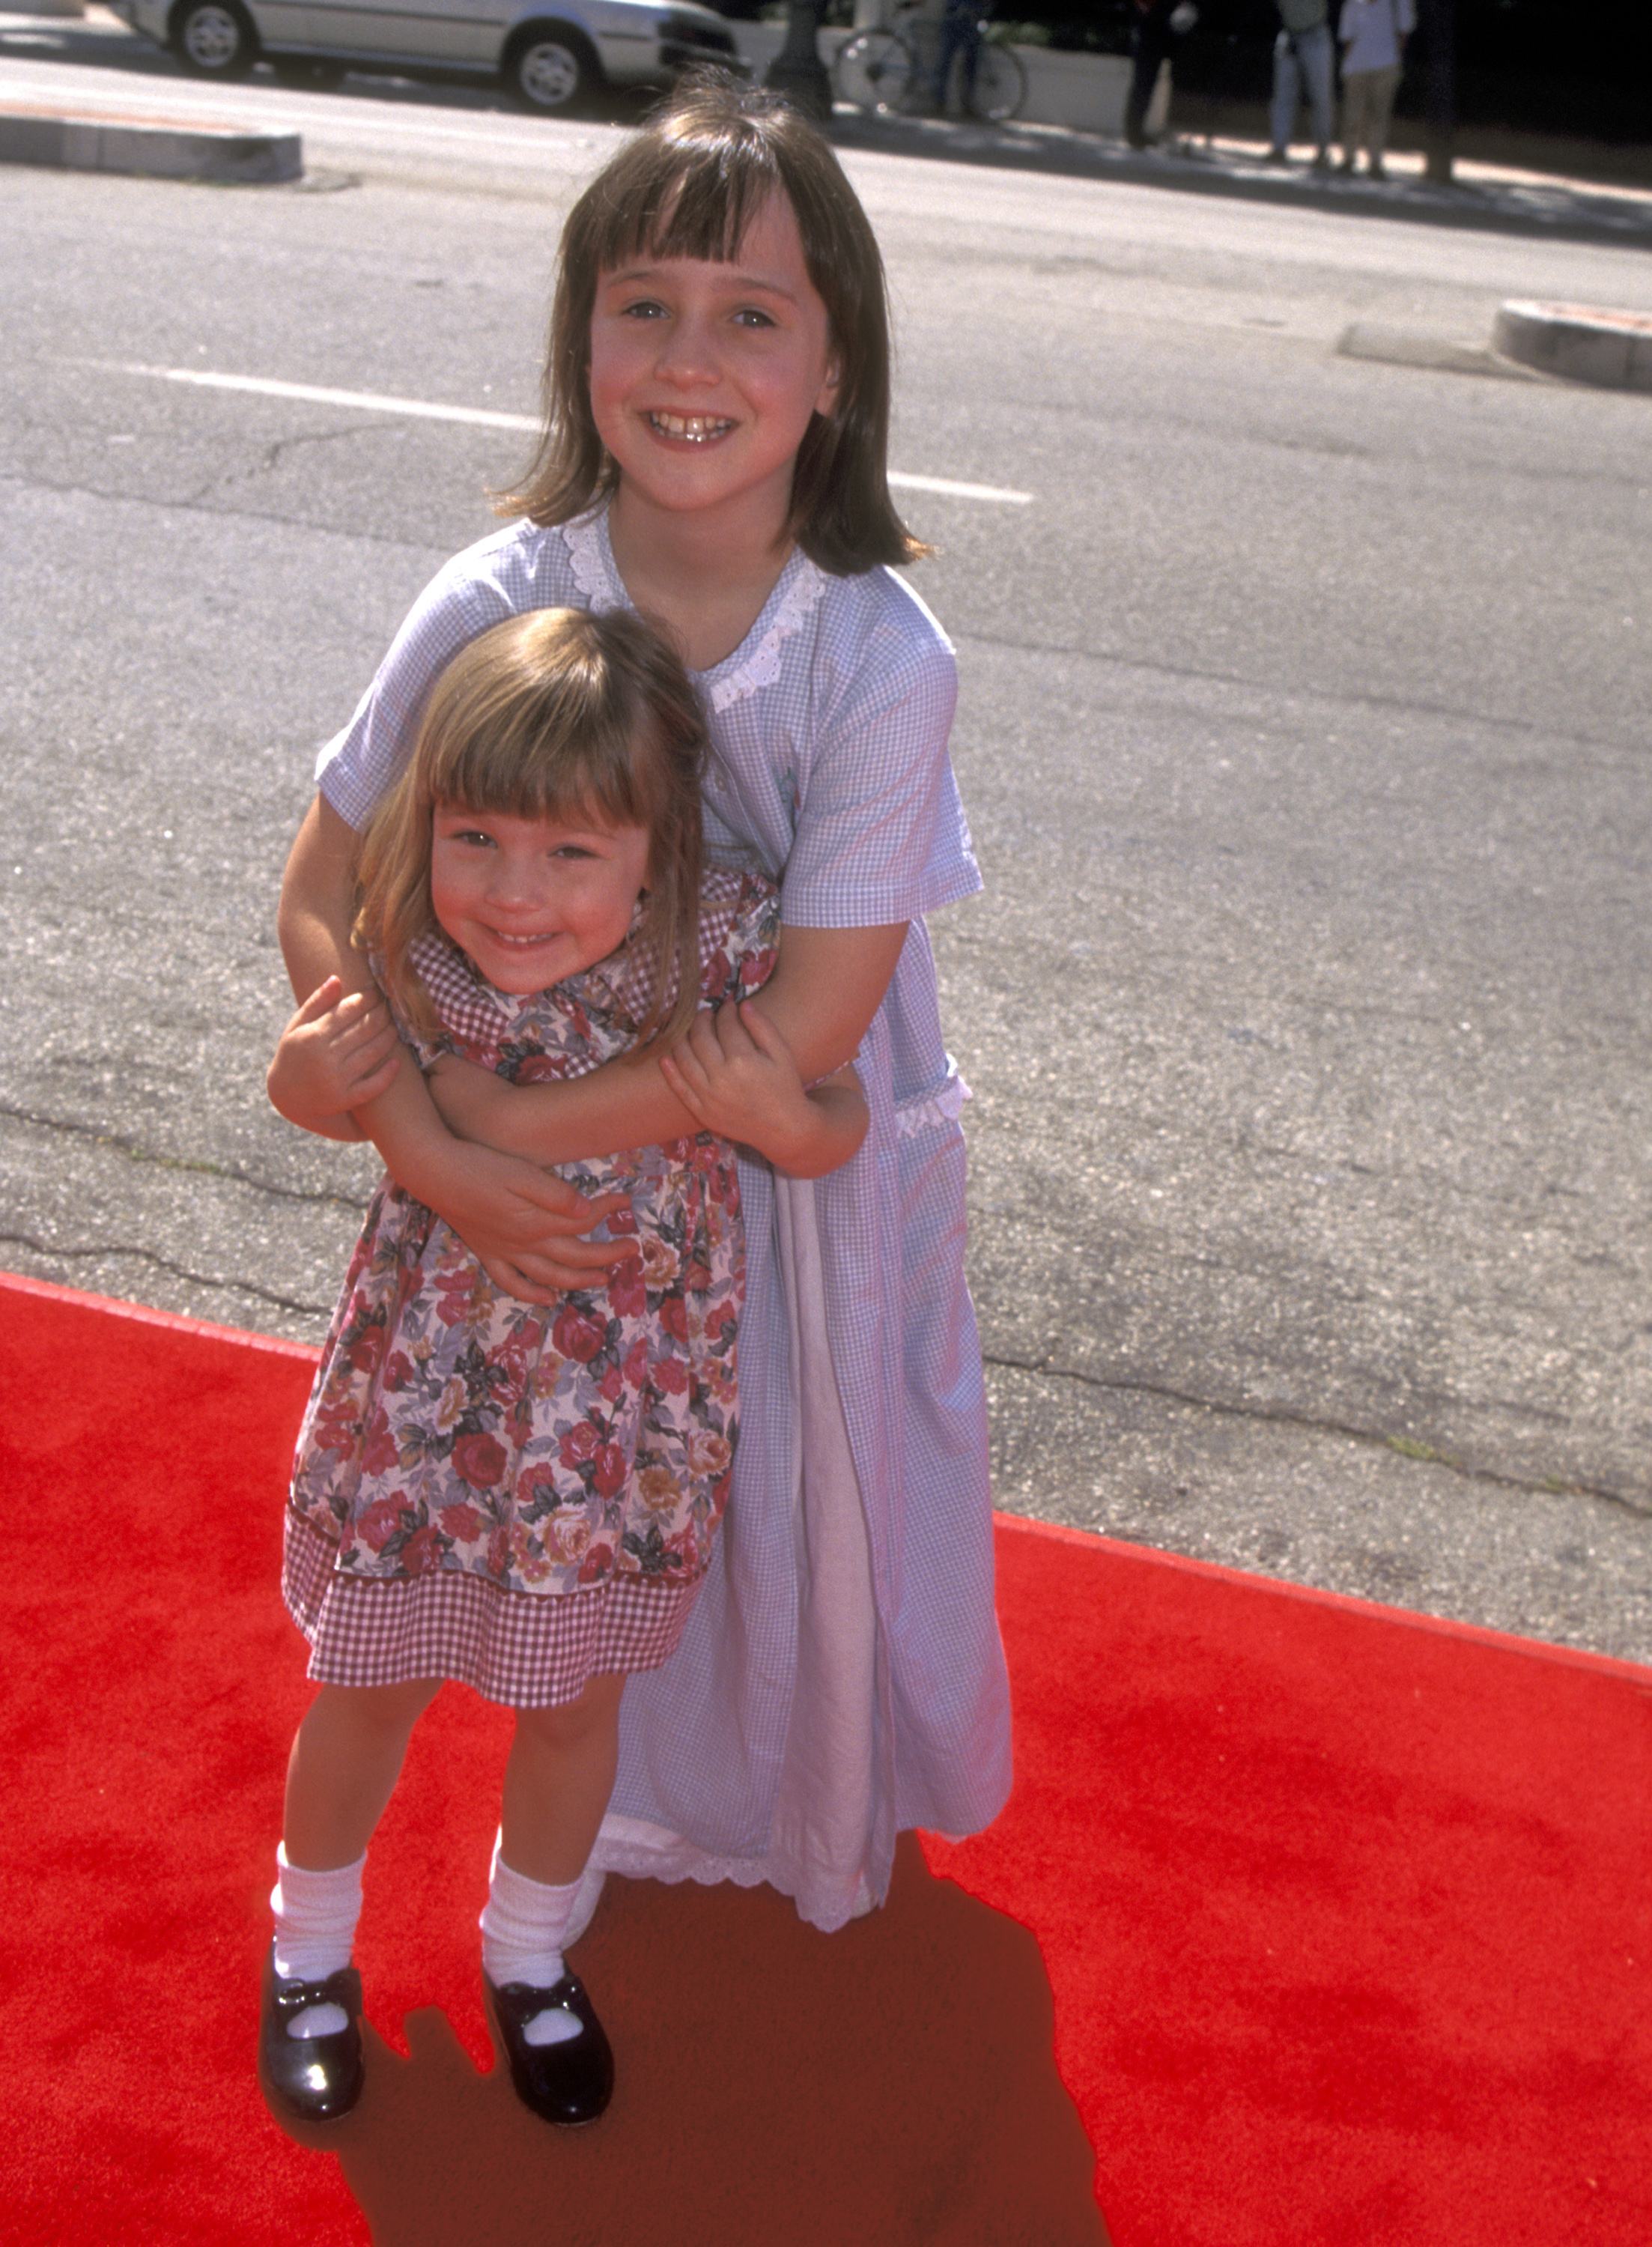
<point>342,1989</point>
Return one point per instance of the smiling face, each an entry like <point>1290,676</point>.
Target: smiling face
<point>534,901</point>
<point>705,376</point>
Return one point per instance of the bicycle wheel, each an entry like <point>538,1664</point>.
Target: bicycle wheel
<point>1000,84</point>
<point>874,70</point>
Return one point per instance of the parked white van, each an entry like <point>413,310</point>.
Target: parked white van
<point>552,54</point>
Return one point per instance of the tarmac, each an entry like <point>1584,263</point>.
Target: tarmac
<point>1596,345</point>
<point>1603,344</point>
<point>1422,1533</point>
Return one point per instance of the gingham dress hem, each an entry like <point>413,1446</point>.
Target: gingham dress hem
<point>527,1651</point>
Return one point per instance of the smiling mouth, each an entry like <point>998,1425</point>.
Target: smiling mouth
<point>691,429</point>
<point>525,943</point>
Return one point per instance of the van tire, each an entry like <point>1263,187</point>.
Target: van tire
<point>214,38</point>
<point>552,71</point>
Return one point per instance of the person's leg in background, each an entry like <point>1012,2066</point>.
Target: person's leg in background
<point>1315,57</point>
<point>1384,85</point>
<point>1287,89</point>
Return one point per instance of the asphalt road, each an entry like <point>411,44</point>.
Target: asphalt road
<point>1303,732</point>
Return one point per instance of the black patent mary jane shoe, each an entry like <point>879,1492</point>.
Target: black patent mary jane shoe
<point>568,2082</point>
<point>315,2079</point>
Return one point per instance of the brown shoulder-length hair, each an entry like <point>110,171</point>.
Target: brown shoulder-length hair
<point>688,185</point>
<point>553,714</point>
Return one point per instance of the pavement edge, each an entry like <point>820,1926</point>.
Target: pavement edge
<point>1612,349</point>
<point>165,152</point>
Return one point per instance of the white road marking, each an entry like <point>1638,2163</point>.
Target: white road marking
<point>955,490</point>
<point>372,401</point>
<point>366,401</point>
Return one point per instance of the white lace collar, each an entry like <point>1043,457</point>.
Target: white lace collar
<point>755,662</point>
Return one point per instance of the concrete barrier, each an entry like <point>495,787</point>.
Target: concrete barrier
<point>161,151</point>
<point>1584,342</point>
<point>1085,92</point>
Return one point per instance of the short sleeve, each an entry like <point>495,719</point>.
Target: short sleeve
<point>477,590</point>
<point>881,836</point>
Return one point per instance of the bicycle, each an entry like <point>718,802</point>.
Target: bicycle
<point>877,70</point>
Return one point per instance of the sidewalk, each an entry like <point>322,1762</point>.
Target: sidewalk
<point>1487,197</point>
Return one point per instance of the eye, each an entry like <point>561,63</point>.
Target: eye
<point>753,315</point>
<point>642,308</point>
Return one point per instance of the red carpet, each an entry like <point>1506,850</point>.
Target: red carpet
<point>1345,1915</point>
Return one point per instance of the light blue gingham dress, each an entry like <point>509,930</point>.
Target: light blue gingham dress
<point>841,1676</point>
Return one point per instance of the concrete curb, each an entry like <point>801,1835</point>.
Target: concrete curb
<point>1581,341</point>
<point>164,151</point>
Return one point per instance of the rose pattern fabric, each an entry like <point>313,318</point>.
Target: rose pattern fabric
<point>546,1448</point>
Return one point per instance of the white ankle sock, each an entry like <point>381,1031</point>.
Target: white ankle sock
<point>316,1914</point>
<point>522,1925</point>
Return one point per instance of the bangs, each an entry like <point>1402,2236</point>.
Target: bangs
<point>697,201</point>
<point>572,782</point>
<point>550,715</point>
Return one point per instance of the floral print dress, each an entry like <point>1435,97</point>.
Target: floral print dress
<point>517,1494</point>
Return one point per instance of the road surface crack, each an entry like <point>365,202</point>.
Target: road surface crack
<point>1406,1447</point>
<point>118,1142</point>
<point>56,1253</point>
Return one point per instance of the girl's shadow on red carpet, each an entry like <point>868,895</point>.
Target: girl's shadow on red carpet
<point>894,2083</point>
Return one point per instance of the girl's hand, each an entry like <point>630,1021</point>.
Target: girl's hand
<point>338,1051</point>
<point>523,1226</point>
<point>735,1074</point>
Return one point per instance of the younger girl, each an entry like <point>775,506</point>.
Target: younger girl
<point>526,1498</point>
<point>718,397</point>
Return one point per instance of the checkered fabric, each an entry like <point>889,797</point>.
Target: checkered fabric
<point>468,1006</point>
<point>511,1647</point>
<point>471,1010</point>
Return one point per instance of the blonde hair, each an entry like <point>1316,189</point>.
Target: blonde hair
<point>554,713</point>
<point>688,185</point>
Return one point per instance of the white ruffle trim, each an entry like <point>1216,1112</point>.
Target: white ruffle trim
<point>944,1105</point>
<point>588,556</point>
<point>639,1851</point>
<point>761,666</point>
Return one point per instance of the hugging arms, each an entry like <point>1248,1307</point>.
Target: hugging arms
<point>473,1148</point>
